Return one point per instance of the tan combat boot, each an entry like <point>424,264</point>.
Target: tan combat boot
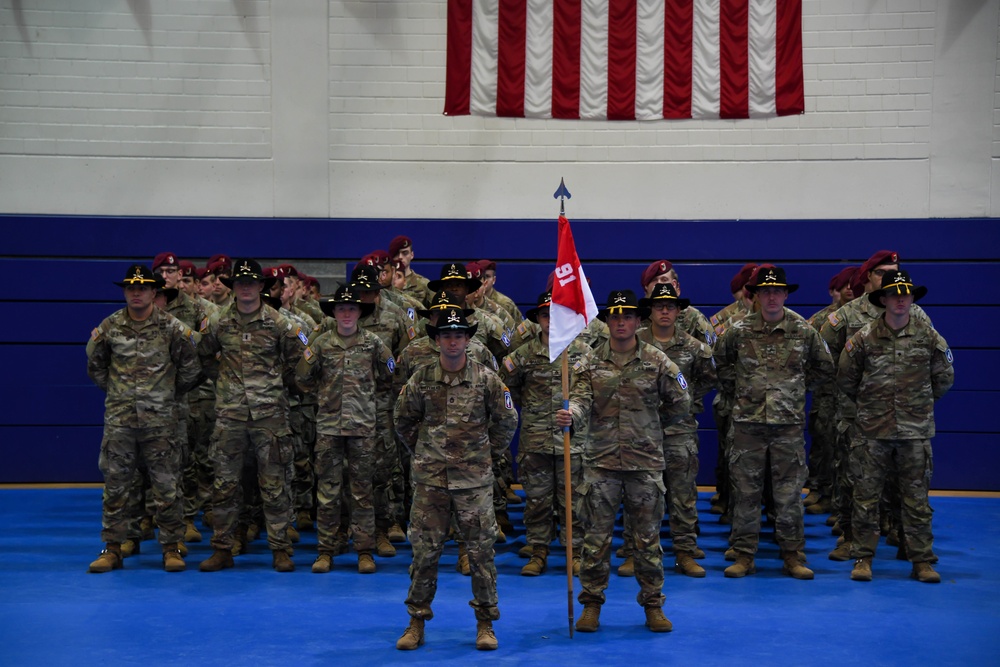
<point>485,639</point>
<point>925,573</point>
<point>590,619</point>
<point>191,534</point>
<point>463,561</point>
<point>281,562</point>
<point>292,533</point>
<point>396,534</point>
<point>730,555</point>
<point>304,521</point>
<point>536,565</point>
<point>219,560</point>
<point>656,621</point>
<point>413,636</point>
<point>323,564</point>
<point>366,564</point>
<point>794,567</point>
<point>862,569</point>
<point>526,551</point>
<point>240,541</point>
<point>172,559</point>
<point>687,566</point>
<point>743,566</point>
<point>383,547</point>
<point>130,547</point>
<point>843,550</point>
<point>627,569</point>
<point>110,559</point>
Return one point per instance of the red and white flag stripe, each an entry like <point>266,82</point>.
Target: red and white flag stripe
<point>624,59</point>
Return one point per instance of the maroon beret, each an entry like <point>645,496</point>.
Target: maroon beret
<point>657,268</point>
<point>741,278</point>
<point>398,244</point>
<point>165,259</point>
<point>841,280</point>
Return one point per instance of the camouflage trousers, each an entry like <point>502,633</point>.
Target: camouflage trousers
<point>602,493</point>
<point>198,472</point>
<point>544,480</point>
<point>123,452</point>
<point>721,411</point>
<point>753,444</point>
<point>388,478</point>
<point>430,518</point>
<point>141,503</point>
<point>913,463</point>
<point>302,420</point>
<point>332,451</point>
<point>844,477</point>
<point>823,433</point>
<point>680,477</point>
<point>266,442</point>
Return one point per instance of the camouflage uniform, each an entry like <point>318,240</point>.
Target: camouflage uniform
<point>416,288</point>
<point>143,367</point>
<point>680,441</point>
<point>456,424</point>
<point>506,303</point>
<point>627,408</point>
<point>767,368</point>
<point>536,386</point>
<point>822,424</point>
<point>838,328</point>
<point>350,375</point>
<point>252,358</point>
<point>895,378</point>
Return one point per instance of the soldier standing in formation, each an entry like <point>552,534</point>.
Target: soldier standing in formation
<point>895,368</point>
<point>629,392</point>
<point>144,359</point>
<point>457,417</point>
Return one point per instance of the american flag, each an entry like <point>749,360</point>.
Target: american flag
<point>624,59</point>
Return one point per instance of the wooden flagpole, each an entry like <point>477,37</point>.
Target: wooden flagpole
<point>568,499</point>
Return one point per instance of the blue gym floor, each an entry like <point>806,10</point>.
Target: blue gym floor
<point>52,612</point>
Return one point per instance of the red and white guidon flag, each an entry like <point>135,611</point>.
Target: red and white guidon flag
<point>573,305</point>
<point>624,59</point>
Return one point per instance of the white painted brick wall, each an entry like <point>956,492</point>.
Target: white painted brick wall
<point>866,64</point>
<point>190,78</point>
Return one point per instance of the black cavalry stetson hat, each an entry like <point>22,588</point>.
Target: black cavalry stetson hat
<point>621,301</point>
<point>897,282</point>
<point>245,268</point>
<point>139,275</point>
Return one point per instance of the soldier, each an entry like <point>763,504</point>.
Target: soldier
<point>144,359</point>
<point>348,367</point>
<point>768,361</point>
<point>895,368</point>
<point>456,281</point>
<point>489,268</point>
<point>822,411</point>
<point>680,441</point>
<point>251,350</point>
<point>414,284</point>
<point>629,392</point>
<point>536,385</point>
<point>457,417</point>
<point>836,331</point>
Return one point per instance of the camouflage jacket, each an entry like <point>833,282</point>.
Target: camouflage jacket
<point>191,312</point>
<point>729,311</point>
<point>388,322</point>
<point>416,288</point>
<point>768,368</point>
<point>251,362</point>
<point>347,376</point>
<point>143,367</point>
<point>844,323</point>
<point>424,351</point>
<point>695,323</point>
<point>457,425</point>
<point>694,359</point>
<point>895,378</point>
<point>507,304</point>
<point>536,386</point>
<point>628,408</point>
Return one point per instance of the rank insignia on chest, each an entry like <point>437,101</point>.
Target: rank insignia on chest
<point>681,381</point>
<point>508,364</point>
<point>246,337</point>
